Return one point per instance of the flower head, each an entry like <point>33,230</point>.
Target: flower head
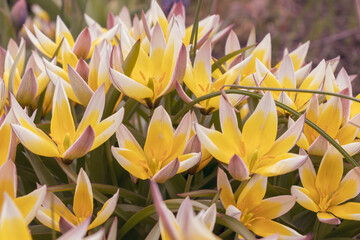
<point>163,154</point>
<point>255,212</point>
<point>54,213</point>
<point>248,153</point>
<point>326,191</point>
<point>186,225</point>
<point>66,142</point>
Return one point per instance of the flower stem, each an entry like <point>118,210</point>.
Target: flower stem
<point>188,183</point>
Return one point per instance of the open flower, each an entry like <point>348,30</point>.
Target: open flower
<point>325,191</point>
<point>70,50</point>
<point>12,222</point>
<point>248,153</point>
<point>29,204</point>
<point>186,225</point>
<point>66,142</point>
<point>329,117</point>
<point>286,77</point>
<point>154,75</point>
<point>54,213</point>
<point>163,154</point>
<point>198,79</point>
<point>255,212</point>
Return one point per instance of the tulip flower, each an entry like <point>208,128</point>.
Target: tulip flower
<point>156,161</point>
<point>255,212</point>
<point>66,142</point>
<point>71,50</point>
<point>25,86</point>
<point>27,205</point>
<point>248,153</point>
<point>155,75</point>
<point>12,223</point>
<point>186,225</point>
<point>198,80</point>
<point>286,77</point>
<point>325,192</point>
<point>329,117</point>
<point>54,213</point>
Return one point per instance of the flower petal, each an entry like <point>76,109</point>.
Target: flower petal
<point>159,134</point>
<point>238,169</point>
<point>349,187</point>
<point>82,91</point>
<point>62,122</point>
<point>253,192</point>
<point>106,211</point>
<point>27,88</point>
<point>304,199</point>
<point>12,224</point>
<point>349,211</point>
<point>274,207</point>
<point>284,143</point>
<point>226,193</point>
<point>167,171</point>
<point>81,146</point>
<point>129,87</point>
<point>266,227</point>
<point>82,45</point>
<point>330,172</point>
<point>280,164</point>
<point>29,204</point>
<point>228,121</point>
<point>168,224</point>
<point>263,121</point>
<point>83,199</point>
<point>328,218</point>
<point>35,143</point>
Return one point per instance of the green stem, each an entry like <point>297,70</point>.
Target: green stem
<point>295,113</point>
<point>188,182</point>
<point>110,163</point>
<point>316,228</point>
<point>40,107</point>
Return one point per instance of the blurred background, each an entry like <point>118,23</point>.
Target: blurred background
<point>333,27</point>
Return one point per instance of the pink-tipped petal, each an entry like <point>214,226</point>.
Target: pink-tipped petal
<point>81,146</point>
<point>83,43</point>
<point>82,91</point>
<point>238,169</point>
<point>27,88</point>
<point>167,172</point>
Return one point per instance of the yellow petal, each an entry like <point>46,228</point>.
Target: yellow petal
<point>349,187</point>
<point>349,211</point>
<point>62,122</point>
<point>83,199</point>
<point>330,172</point>
<point>30,203</point>
<point>274,207</point>
<point>263,121</point>
<point>106,211</point>
<point>304,199</point>
<point>253,193</point>
<point>160,134</point>
<point>223,185</point>
<point>266,227</point>
<point>12,224</point>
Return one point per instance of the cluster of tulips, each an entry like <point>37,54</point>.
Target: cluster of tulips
<point>272,136</point>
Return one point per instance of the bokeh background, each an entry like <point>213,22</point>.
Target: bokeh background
<point>332,26</point>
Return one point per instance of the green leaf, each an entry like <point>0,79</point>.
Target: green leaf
<point>138,217</point>
<point>199,193</point>
<point>42,172</point>
<point>235,225</point>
